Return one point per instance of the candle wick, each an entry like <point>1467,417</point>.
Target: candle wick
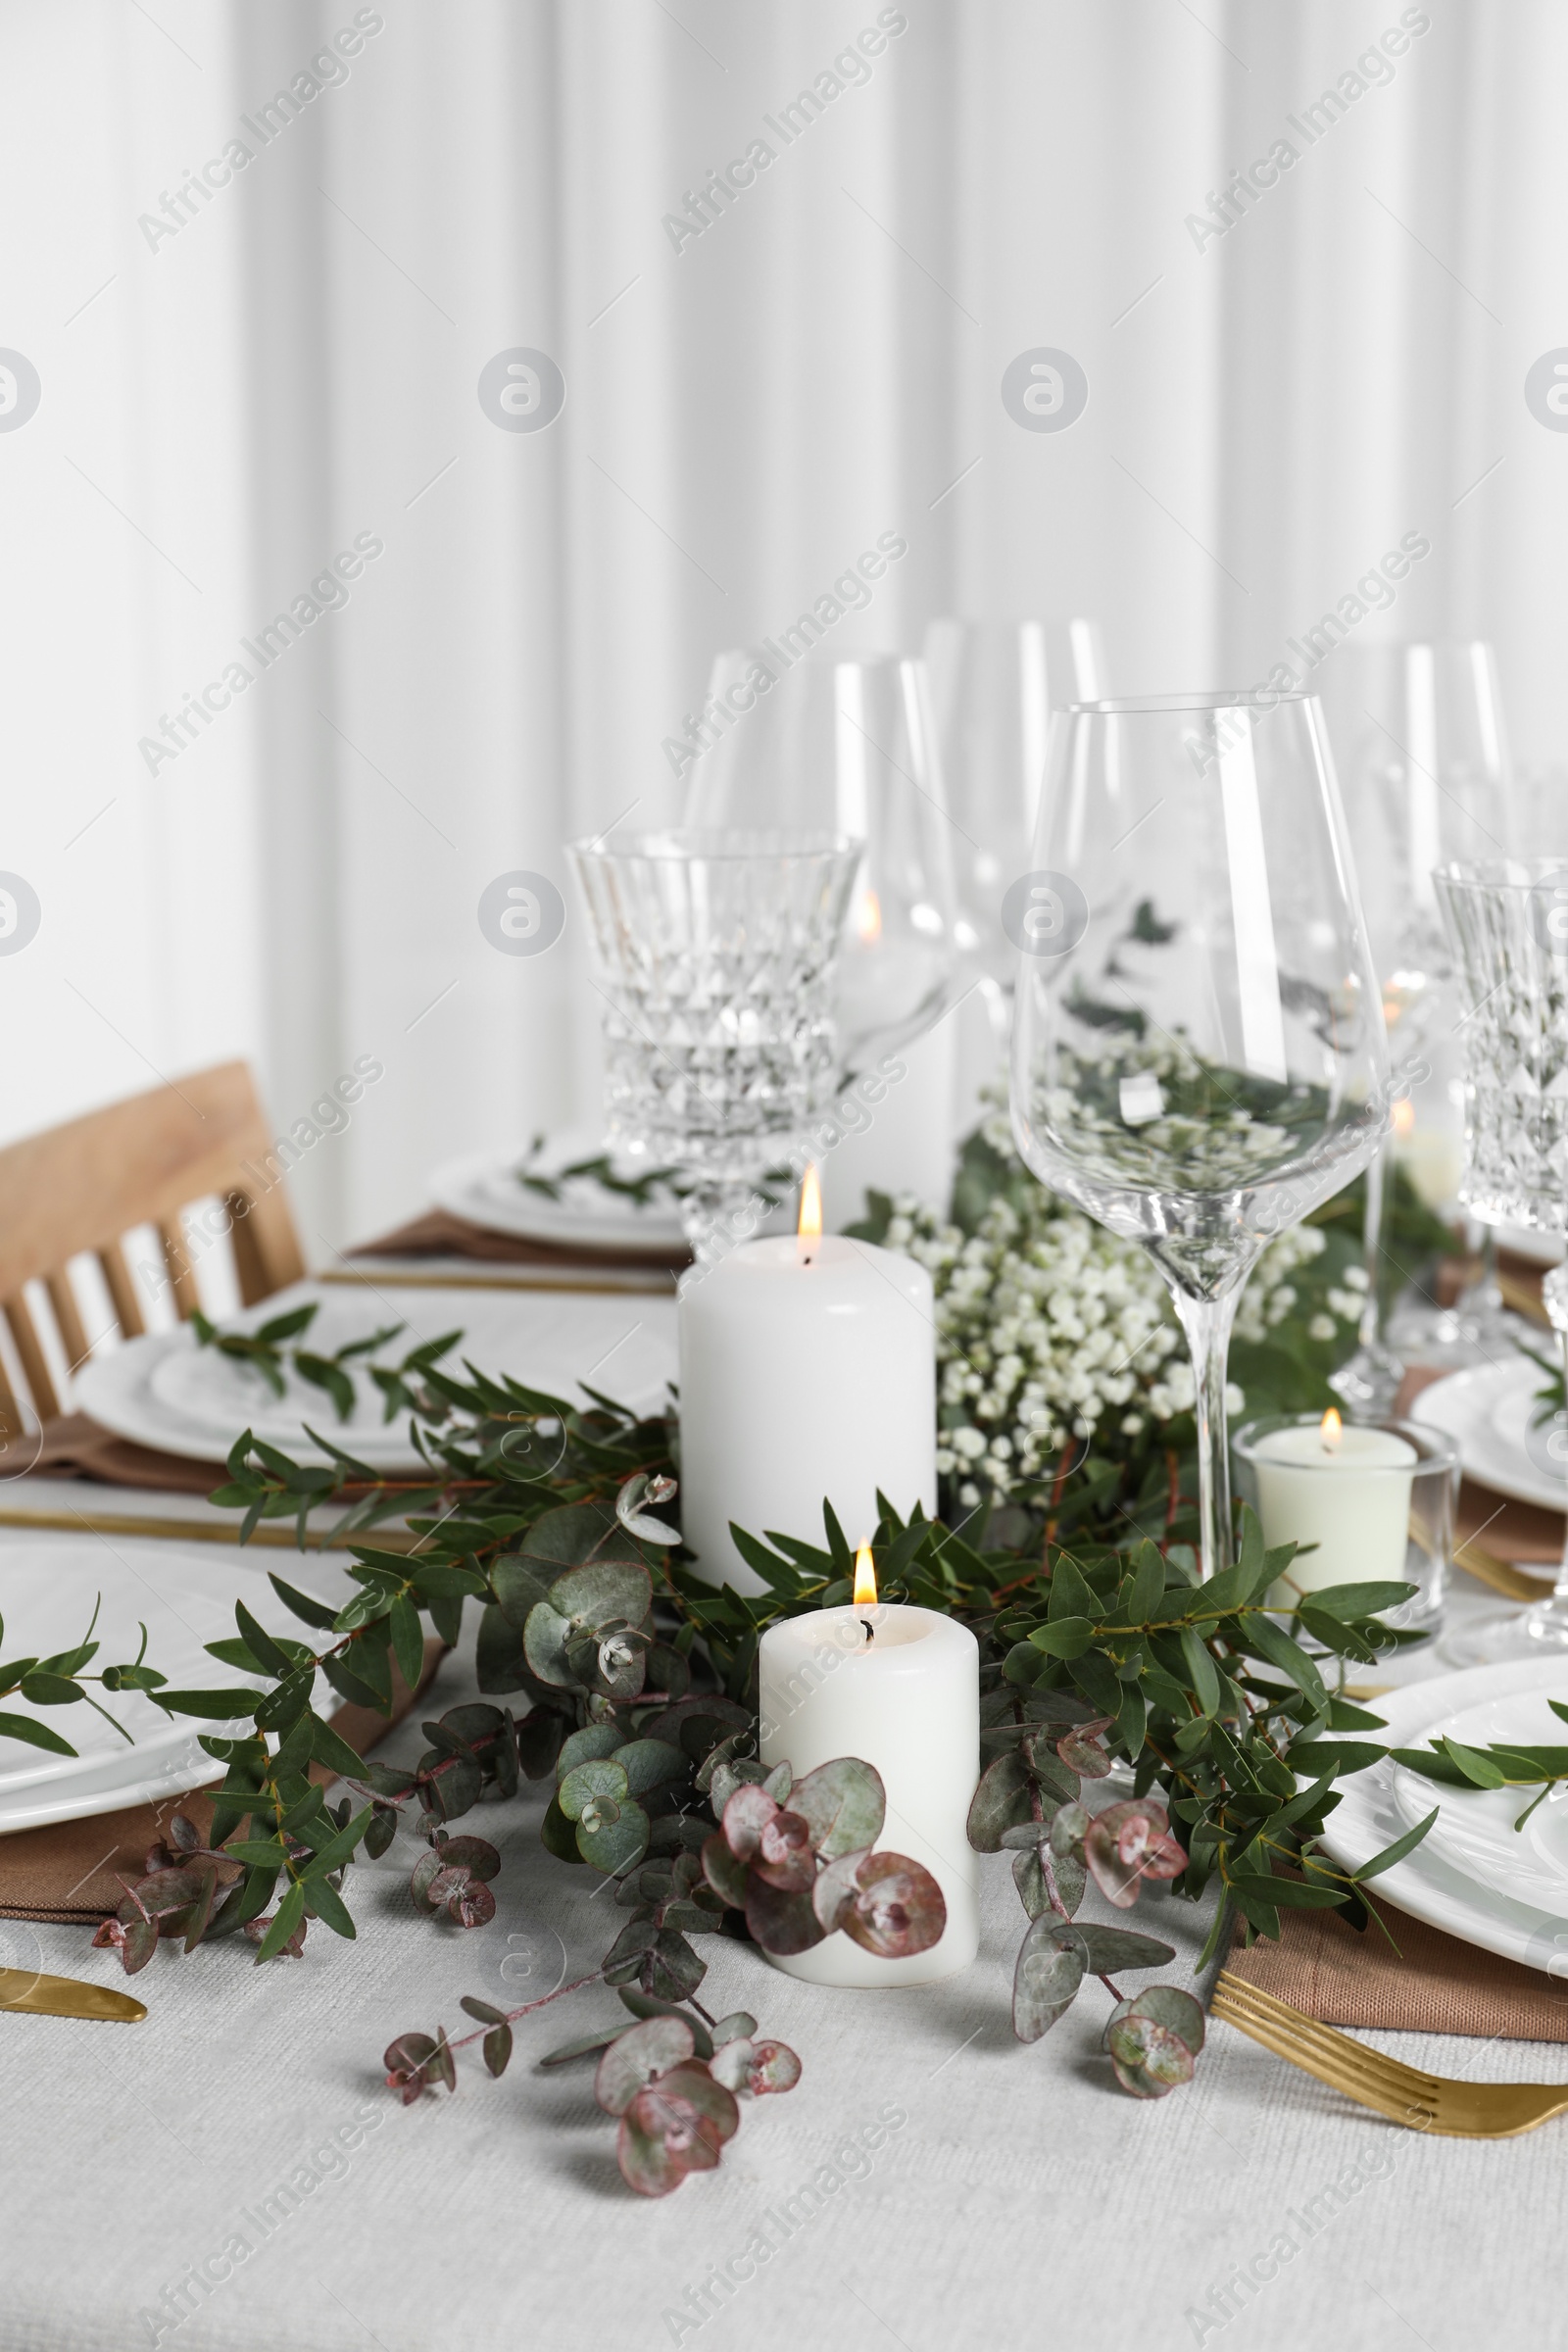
<point>870,1630</point>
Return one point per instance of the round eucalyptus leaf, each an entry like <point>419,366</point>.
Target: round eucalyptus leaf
<point>649,1763</point>
<point>781,1920</point>
<point>544,1646</point>
<point>603,1590</point>
<point>843,1804</point>
<point>595,1777</point>
<point>615,1844</point>
<point>593,1739</point>
<point>637,2055</point>
<point>1150,2060</point>
<point>1177,2010</point>
<point>724,1872</point>
<point>898,1908</point>
<point>1044,1981</point>
<point>1003,1801</point>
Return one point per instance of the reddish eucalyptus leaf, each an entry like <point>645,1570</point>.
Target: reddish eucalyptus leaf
<point>1150,2060</point>
<point>781,1920</point>
<point>1083,1754</point>
<point>898,1909</point>
<point>784,1856</point>
<point>677,2124</point>
<point>1168,2006</point>
<point>745,1816</point>
<point>636,2056</point>
<point>836,1889</point>
<point>1127,1843</point>
<point>477,1855</point>
<point>757,2067</point>
<point>472,1906</point>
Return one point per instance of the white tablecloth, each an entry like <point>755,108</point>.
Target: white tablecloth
<point>231,2174</point>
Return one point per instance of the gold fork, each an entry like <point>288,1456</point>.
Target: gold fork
<point>1405,2096</point>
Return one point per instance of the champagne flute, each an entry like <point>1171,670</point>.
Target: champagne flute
<point>994,686</point>
<point>1199,1049</point>
<point>1421,753</point>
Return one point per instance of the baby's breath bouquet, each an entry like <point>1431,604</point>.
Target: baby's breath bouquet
<point>1063,1376</point>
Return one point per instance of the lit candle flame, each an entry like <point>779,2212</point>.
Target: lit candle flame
<point>868,919</point>
<point>1404,1118</point>
<point>1330,1430</point>
<point>865,1579</point>
<point>809,1225</point>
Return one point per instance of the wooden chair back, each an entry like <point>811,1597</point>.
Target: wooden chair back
<point>82,1187</point>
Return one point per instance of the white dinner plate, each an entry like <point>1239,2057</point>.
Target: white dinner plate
<point>488,1190</point>
<point>1429,1883</point>
<point>165,1391</point>
<point>1476,1830</point>
<point>184,1596</point>
<point>1487,1410</point>
<point>1525,1241</point>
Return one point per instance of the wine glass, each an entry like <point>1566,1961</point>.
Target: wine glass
<point>846,748</point>
<point>714,954</point>
<point>1421,753</point>
<point>1509,923</point>
<point>1199,1049</point>
<point>994,686</point>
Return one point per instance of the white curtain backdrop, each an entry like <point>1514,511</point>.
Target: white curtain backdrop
<point>226,407</point>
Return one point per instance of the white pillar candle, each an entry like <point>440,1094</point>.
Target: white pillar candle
<point>1346,1491</point>
<point>808,1370</point>
<point>907,1702</point>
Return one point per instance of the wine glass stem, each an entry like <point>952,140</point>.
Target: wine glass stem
<point>1372,1246</point>
<point>1208,1325</point>
<point>717,1214</point>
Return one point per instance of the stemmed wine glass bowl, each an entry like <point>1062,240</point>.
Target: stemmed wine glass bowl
<point>1200,1056</point>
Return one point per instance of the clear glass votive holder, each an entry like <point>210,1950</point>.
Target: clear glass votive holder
<point>1375,1502</point>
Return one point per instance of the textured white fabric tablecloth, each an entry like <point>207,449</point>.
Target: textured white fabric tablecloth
<point>1010,2197</point>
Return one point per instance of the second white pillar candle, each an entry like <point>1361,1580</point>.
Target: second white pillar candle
<point>808,1370</point>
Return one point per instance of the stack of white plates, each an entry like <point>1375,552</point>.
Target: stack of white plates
<point>489,1191</point>
<point>184,1596</point>
<point>1488,1411</point>
<point>1474,1875</point>
<point>168,1392</point>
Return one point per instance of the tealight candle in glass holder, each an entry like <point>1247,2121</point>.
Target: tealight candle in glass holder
<point>1376,1502</point>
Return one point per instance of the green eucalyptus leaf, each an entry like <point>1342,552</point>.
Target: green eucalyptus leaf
<point>1044,1981</point>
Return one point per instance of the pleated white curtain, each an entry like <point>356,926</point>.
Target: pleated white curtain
<point>233,410</point>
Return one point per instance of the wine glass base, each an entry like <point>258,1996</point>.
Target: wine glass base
<point>1368,1382</point>
<point>1510,1636</point>
<point>1450,1339</point>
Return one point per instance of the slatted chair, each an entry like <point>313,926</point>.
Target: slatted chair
<point>82,1187</point>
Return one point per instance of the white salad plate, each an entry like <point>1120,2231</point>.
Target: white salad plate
<point>489,1190</point>
<point>167,1391</point>
<point>1525,1919</point>
<point>1476,1827</point>
<point>184,1596</point>
<point>1487,1411</point>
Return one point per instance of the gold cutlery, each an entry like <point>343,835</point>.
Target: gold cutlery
<point>24,1989</point>
<point>1420,2101</point>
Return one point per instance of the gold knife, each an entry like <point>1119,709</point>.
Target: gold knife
<point>65,1996</point>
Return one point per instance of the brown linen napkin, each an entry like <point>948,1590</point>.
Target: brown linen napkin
<point>65,1872</point>
<point>1435,1984</point>
<point>76,1446</point>
<point>439,1233</point>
